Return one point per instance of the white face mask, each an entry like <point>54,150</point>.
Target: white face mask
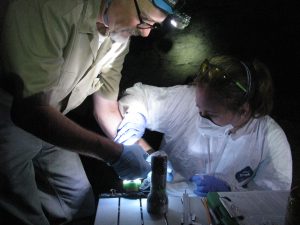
<point>207,127</point>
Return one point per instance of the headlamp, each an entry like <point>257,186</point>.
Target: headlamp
<point>180,20</point>
<point>171,7</point>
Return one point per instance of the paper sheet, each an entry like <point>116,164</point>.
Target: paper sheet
<point>256,207</point>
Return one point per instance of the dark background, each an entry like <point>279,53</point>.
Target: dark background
<point>262,29</point>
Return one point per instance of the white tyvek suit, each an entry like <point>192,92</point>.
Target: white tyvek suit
<point>256,157</point>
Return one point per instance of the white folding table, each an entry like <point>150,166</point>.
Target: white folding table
<point>133,211</point>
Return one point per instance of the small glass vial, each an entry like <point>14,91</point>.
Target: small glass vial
<point>157,200</point>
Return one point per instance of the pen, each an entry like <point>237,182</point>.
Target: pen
<point>215,219</point>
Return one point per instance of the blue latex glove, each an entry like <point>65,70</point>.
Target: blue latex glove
<point>207,183</point>
<point>131,129</point>
<point>132,163</point>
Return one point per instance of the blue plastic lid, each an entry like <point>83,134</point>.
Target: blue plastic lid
<point>165,5</point>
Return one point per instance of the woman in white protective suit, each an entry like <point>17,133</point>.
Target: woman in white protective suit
<point>217,132</point>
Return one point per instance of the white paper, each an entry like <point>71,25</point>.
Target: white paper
<point>256,207</point>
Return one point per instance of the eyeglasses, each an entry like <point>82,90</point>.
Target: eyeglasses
<point>143,24</point>
<point>214,71</point>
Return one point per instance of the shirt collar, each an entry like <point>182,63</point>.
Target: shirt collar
<point>89,17</point>
<point>246,129</point>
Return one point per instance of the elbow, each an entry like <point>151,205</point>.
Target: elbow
<point>96,115</point>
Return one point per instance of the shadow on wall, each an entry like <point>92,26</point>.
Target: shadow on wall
<point>3,6</point>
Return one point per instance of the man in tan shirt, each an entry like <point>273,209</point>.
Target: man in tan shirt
<point>57,52</point>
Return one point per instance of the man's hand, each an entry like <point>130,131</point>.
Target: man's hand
<point>132,163</point>
<point>131,129</point>
<point>206,183</point>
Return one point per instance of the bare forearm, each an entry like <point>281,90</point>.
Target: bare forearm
<point>50,125</point>
<point>110,124</point>
<point>107,115</point>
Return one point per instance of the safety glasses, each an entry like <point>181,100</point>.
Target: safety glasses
<point>212,71</point>
<point>143,24</point>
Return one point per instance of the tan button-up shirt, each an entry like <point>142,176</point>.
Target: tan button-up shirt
<point>54,45</point>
